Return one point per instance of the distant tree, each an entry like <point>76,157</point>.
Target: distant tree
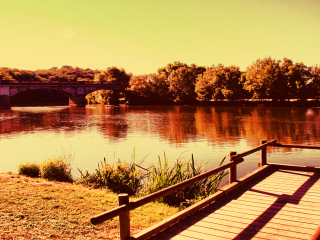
<point>265,80</point>
<point>5,74</point>
<point>165,72</point>
<point>315,80</point>
<point>219,82</point>
<point>298,77</point>
<point>113,74</point>
<point>149,88</point>
<point>180,79</point>
<point>204,86</point>
<point>182,85</point>
<point>140,86</point>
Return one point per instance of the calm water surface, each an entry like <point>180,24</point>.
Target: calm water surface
<point>33,134</point>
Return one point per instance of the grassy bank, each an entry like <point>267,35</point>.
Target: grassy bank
<point>34,208</point>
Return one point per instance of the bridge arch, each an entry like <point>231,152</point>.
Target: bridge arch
<point>75,91</point>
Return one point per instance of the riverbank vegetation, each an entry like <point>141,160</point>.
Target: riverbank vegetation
<point>277,80</point>
<point>34,207</point>
<point>133,178</point>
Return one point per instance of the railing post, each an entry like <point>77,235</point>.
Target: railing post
<point>124,218</point>
<point>263,160</point>
<point>233,170</point>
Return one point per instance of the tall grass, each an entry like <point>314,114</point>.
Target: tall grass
<point>134,179</point>
<point>164,176</point>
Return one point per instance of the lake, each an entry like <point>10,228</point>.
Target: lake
<point>33,134</point>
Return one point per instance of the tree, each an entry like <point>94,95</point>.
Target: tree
<point>315,80</point>
<point>219,82</point>
<point>265,80</point>
<point>149,88</point>
<point>182,85</point>
<point>5,74</point>
<point>180,80</point>
<point>204,86</point>
<point>113,74</point>
<point>298,77</point>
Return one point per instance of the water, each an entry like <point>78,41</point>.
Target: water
<point>33,134</point>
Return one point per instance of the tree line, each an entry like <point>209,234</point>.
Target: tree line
<point>265,79</point>
<point>182,83</point>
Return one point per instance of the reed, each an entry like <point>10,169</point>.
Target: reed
<point>164,176</point>
<point>134,179</point>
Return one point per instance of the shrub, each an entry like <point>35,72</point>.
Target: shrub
<point>29,169</point>
<point>165,176</point>
<point>119,178</point>
<point>57,169</point>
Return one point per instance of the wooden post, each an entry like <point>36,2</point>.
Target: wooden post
<point>233,170</point>
<point>263,160</point>
<point>124,218</point>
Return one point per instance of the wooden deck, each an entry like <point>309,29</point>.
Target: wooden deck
<point>280,204</point>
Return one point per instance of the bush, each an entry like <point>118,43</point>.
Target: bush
<point>29,169</point>
<point>119,178</point>
<point>57,169</point>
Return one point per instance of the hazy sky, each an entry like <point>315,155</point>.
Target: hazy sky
<point>144,35</point>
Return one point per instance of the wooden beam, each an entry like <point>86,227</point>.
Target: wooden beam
<point>233,169</point>
<point>263,159</point>
<point>253,150</point>
<point>296,146</point>
<point>316,234</point>
<point>295,167</point>
<point>124,218</point>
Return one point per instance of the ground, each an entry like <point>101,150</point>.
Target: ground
<point>33,208</point>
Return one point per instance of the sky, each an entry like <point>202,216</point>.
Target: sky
<point>142,36</point>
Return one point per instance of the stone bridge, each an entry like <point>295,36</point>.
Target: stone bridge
<point>76,91</point>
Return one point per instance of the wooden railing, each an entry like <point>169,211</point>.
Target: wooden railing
<point>125,206</point>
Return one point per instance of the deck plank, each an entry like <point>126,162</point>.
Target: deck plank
<point>281,205</point>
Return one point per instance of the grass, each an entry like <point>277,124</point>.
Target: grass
<point>137,180</point>
<point>119,178</point>
<point>54,169</point>
<point>34,208</point>
<point>57,169</point>
<point>164,176</point>
<point>29,169</point>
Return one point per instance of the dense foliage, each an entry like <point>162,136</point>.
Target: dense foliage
<point>182,83</point>
<point>66,73</point>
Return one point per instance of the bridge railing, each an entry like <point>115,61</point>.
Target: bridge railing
<point>15,82</point>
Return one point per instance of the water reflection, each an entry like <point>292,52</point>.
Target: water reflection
<point>201,128</point>
<point>176,124</point>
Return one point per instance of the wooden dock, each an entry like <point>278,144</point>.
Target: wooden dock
<point>281,204</point>
<point>274,202</point>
